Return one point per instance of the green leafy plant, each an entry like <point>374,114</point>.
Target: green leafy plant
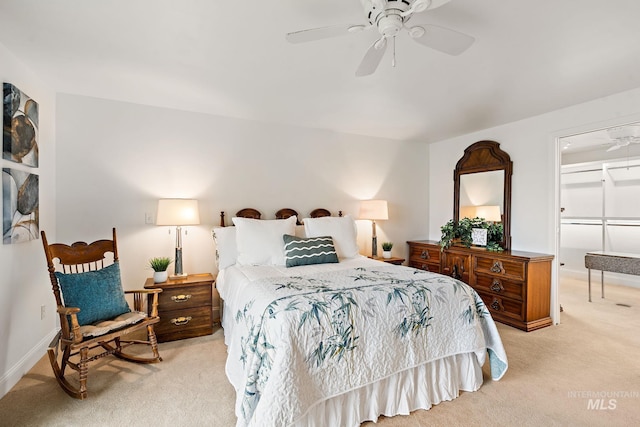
<point>160,263</point>
<point>461,232</point>
<point>386,246</point>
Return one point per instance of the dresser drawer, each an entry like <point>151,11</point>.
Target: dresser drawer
<point>426,266</point>
<point>500,286</point>
<point>424,254</point>
<point>501,267</point>
<point>178,324</point>
<point>184,297</point>
<point>503,307</point>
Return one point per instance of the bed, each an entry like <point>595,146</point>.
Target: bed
<point>319,335</point>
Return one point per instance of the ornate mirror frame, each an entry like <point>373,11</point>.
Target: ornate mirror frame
<point>486,156</point>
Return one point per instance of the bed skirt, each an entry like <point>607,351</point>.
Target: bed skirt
<point>399,394</point>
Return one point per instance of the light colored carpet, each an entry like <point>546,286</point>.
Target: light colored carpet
<point>552,375</point>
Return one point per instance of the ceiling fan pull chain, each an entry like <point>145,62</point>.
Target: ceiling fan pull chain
<point>393,59</point>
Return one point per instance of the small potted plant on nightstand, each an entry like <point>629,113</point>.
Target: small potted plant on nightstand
<point>386,249</point>
<point>159,266</point>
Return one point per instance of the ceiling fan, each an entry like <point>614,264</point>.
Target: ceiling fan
<point>622,136</point>
<point>389,17</point>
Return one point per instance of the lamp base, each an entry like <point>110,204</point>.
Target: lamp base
<point>374,246</point>
<point>178,276</point>
<point>177,271</point>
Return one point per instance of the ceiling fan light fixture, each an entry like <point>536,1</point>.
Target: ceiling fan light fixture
<point>416,32</point>
<point>390,25</point>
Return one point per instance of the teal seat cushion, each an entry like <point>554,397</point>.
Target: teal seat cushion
<point>312,250</point>
<point>98,294</point>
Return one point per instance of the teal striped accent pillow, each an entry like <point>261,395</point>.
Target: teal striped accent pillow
<point>313,250</point>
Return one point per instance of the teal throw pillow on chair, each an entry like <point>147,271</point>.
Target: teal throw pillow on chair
<point>98,294</point>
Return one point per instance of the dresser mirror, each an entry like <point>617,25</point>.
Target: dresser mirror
<point>482,186</point>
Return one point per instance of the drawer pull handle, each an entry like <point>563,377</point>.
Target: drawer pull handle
<point>179,321</point>
<point>496,305</point>
<point>496,286</point>
<point>458,270</point>
<point>497,267</point>
<point>424,267</point>
<point>424,254</point>
<point>181,298</point>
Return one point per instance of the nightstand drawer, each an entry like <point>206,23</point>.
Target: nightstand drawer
<point>500,286</point>
<point>178,324</point>
<point>500,267</point>
<point>184,297</point>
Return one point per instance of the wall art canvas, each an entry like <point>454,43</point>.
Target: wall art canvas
<point>20,206</point>
<point>20,126</point>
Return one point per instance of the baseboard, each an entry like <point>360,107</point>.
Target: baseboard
<point>17,371</point>
<point>609,278</point>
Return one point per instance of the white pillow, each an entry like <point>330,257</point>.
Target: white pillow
<point>342,229</point>
<point>300,231</point>
<point>260,241</point>
<point>226,248</point>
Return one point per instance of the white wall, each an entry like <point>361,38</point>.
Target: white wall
<point>24,282</point>
<point>115,160</point>
<point>531,143</point>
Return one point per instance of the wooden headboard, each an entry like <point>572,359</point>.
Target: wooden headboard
<point>281,214</point>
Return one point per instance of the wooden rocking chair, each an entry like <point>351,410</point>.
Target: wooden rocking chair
<point>93,311</point>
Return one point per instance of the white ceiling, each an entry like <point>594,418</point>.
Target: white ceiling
<point>230,58</point>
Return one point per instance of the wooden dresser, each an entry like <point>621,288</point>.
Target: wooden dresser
<point>184,306</point>
<point>514,285</point>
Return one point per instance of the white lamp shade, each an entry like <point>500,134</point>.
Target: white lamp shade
<point>467,212</point>
<point>374,209</point>
<point>489,213</point>
<point>178,212</point>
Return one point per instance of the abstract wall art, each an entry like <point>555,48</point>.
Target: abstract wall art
<point>20,127</point>
<point>20,206</point>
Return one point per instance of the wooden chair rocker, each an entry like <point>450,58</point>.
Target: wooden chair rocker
<point>94,313</point>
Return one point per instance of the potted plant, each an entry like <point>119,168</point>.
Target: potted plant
<point>159,266</point>
<point>386,249</point>
<point>462,233</point>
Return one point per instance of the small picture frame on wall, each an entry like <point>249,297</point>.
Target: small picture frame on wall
<point>20,206</point>
<point>20,126</point>
<point>479,236</point>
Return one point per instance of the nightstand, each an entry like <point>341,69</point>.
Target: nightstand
<point>184,306</point>
<point>392,260</point>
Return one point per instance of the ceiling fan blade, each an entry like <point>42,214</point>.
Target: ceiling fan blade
<point>445,40</point>
<point>314,34</point>
<point>372,58</point>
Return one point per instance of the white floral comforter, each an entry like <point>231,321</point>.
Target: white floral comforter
<point>308,338</point>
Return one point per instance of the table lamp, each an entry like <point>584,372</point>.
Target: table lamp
<point>489,213</point>
<point>178,212</point>
<point>374,210</point>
